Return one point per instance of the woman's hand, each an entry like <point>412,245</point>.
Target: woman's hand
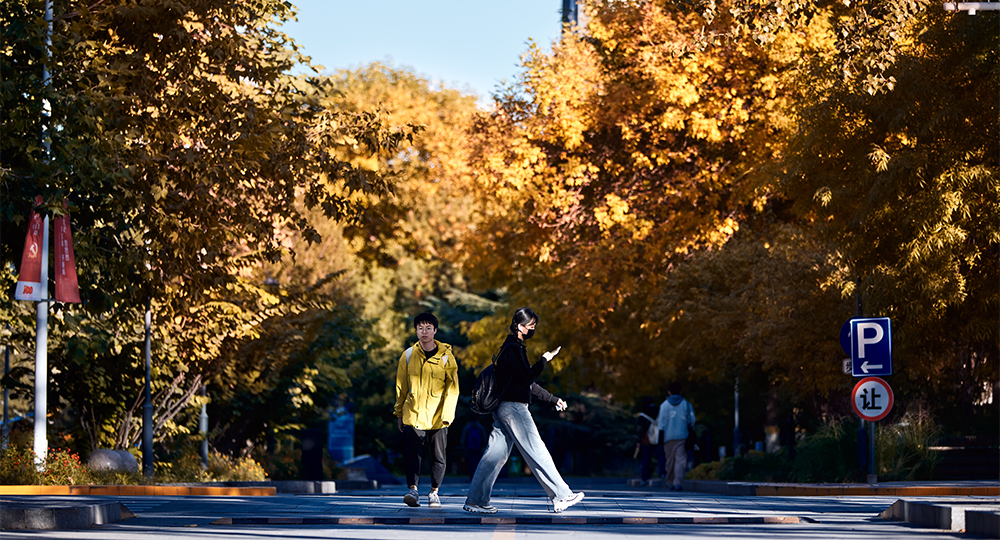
<point>551,354</point>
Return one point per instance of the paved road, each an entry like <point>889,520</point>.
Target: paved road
<point>609,512</point>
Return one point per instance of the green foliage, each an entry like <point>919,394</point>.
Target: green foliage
<point>61,467</point>
<point>111,477</point>
<point>186,467</point>
<point>828,455</point>
<point>284,381</point>
<point>593,437</point>
<point>182,144</point>
<point>710,470</point>
<point>902,449</point>
<point>283,460</point>
<point>756,467</point>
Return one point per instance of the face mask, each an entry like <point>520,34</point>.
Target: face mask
<point>529,334</point>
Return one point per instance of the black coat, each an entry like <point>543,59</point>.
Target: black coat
<point>518,376</point>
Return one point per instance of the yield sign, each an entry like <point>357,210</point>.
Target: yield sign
<point>872,399</point>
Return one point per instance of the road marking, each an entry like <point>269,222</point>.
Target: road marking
<point>504,532</point>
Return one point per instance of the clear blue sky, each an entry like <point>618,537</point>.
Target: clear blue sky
<point>468,45</point>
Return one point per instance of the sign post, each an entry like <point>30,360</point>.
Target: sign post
<point>872,400</point>
<point>869,342</point>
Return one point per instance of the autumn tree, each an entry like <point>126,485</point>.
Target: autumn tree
<point>614,156</point>
<point>398,260</point>
<point>905,182</point>
<point>181,143</point>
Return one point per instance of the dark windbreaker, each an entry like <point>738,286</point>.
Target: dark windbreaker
<point>518,376</point>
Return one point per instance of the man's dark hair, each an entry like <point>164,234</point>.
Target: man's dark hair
<point>674,388</point>
<point>425,318</point>
<point>524,316</point>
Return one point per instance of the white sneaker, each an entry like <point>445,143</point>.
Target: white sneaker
<point>476,509</point>
<point>412,498</point>
<point>433,500</point>
<point>562,504</point>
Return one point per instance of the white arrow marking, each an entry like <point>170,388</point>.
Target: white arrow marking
<point>865,366</point>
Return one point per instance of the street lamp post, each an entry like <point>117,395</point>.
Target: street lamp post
<point>147,408</point>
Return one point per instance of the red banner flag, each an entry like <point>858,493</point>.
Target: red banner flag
<point>29,280</point>
<point>67,288</point>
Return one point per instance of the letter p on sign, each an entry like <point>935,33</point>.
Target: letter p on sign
<point>863,336</point>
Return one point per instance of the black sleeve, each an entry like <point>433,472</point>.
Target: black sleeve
<point>540,394</point>
<point>524,375</point>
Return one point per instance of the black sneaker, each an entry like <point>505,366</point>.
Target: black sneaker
<point>412,498</point>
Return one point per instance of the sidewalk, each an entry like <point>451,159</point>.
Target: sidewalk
<point>520,501</point>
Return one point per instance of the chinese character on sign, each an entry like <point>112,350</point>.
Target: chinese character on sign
<point>870,404</point>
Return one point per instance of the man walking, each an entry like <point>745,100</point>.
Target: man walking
<point>426,397</point>
<point>675,419</point>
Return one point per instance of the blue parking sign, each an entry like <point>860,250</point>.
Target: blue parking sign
<point>871,347</point>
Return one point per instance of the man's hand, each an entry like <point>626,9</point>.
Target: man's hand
<point>399,423</point>
<point>561,405</point>
<point>551,354</point>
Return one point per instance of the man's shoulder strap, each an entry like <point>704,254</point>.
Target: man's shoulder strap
<point>409,351</point>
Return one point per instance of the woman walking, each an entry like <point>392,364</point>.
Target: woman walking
<point>513,424</point>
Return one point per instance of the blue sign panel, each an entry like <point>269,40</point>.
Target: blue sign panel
<point>871,347</point>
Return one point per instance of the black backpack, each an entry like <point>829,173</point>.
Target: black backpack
<point>485,398</point>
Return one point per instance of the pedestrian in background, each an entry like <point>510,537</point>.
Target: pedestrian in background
<point>513,424</point>
<point>648,445</point>
<point>426,397</point>
<point>676,417</point>
<point>473,441</point>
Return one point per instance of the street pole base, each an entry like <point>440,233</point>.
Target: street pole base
<point>872,478</point>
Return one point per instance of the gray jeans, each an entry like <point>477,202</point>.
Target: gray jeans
<point>513,425</point>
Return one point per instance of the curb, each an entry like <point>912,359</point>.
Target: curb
<point>982,518</point>
<point>832,490</point>
<point>74,517</point>
<point>139,491</point>
<point>733,520</point>
<point>982,523</point>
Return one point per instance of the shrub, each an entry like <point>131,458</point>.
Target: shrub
<point>61,467</point>
<point>109,477</point>
<point>756,467</point>
<point>234,469</point>
<point>902,450</point>
<point>705,471</point>
<point>829,455</point>
<point>17,466</point>
<point>186,467</point>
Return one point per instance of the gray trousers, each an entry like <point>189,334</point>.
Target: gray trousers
<point>676,462</point>
<point>513,425</point>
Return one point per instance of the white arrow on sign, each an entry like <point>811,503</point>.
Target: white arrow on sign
<point>865,366</point>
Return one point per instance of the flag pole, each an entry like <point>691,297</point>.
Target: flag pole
<point>41,445</point>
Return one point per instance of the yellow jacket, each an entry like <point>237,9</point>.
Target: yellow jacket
<point>427,388</point>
